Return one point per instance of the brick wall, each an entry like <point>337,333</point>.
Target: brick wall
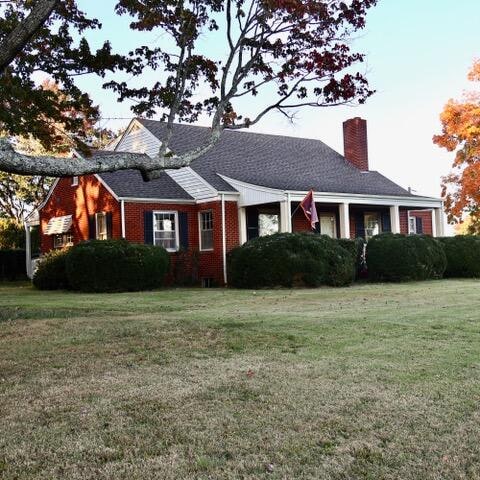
<point>425,215</point>
<point>88,198</point>
<point>210,263</point>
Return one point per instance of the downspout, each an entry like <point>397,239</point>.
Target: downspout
<point>224,241</point>
<point>122,215</point>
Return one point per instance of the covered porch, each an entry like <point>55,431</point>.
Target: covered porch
<point>340,216</point>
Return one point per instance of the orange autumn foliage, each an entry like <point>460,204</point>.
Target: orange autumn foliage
<point>461,134</point>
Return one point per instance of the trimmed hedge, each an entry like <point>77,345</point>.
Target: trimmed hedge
<point>356,249</point>
<point>290,259</point>
<point>12,265</point>
<point>463,256</point>
<point>115,266</point>
<point>396,258</point>
<point>51,271</point>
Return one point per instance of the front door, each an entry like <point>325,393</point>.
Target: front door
<point>328,225</point>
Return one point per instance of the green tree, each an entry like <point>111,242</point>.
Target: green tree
<point>12,234</point>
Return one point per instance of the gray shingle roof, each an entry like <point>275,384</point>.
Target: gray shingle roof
<point>286,163</point>
<point>129,183</point>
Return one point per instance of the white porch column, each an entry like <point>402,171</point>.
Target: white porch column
<point>285,215</point>
<point>437,222</point>
<point>344,220</point>
<point>395,219</point>
<point>28,251</point>
<point>242,224</point>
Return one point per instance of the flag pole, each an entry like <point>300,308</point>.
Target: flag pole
<point>295,211</point>
<point>299,203</point>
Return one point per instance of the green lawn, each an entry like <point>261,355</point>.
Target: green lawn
<point>372,381</point>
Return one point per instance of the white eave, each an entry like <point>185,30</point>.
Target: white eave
<point>251,194</point>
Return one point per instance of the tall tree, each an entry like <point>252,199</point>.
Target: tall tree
<point>20,194</point>
<point>461,135</point>
<point>296,51</point>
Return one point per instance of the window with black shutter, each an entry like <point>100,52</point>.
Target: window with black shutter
<point>419,225</point>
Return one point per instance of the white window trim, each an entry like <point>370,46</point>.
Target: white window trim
<point>75,181</point>
<point>414,230</point>
<point>330,216</point>
<point>97,215</point>
<point>64,236</point>
<point>379,216</point>
<point>177,232</point>
<point>200,231</point>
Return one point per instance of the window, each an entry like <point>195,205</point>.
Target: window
<point>328,225</point>
<point>101,224</point>
<point>74,181</point>
<point>206,230</point>
<point>372,225</point>
<point>62,240</point>
<point>165,230</point>
<point>415,225</point>
<point>412,226</point>
<point>267,224</point>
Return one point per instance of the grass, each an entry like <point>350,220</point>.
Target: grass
<point>368,382</point>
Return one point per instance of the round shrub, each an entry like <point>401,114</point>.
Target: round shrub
<point>116,266</point>
<point>51,271</point>
<point>397,258</point>
<point>290,259</point>
<point>463,255</point>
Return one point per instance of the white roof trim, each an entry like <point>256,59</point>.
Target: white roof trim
<point>157,200</point>
<point>49,194</point>
<point>104,183</point>
<point>57,225</point>
<point>252,194</point>
<point>32,219</point>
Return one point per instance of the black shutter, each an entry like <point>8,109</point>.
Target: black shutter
<point>148,227</point>
<point>92,227</point>
<point>252,223</point>
<point>419,225</point>
<point>183,230</point>
<point>359,225</point>
<point>109,220</point>
<point>386,225</point>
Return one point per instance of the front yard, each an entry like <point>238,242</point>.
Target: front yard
<point>372,381</point>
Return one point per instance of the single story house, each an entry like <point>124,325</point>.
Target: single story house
<point>248,185</point>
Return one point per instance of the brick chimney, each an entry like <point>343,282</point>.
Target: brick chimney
<point>355,142</point>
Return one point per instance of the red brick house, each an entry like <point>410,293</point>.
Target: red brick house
<point>248,185</point>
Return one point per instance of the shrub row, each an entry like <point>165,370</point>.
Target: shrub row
<point>419,257</point>
<point>291,259</point>
<point>12,264</point>
<point>395,258</point>
<point>103,266</point>
<point>304,259</point>
<point>463,255</point>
